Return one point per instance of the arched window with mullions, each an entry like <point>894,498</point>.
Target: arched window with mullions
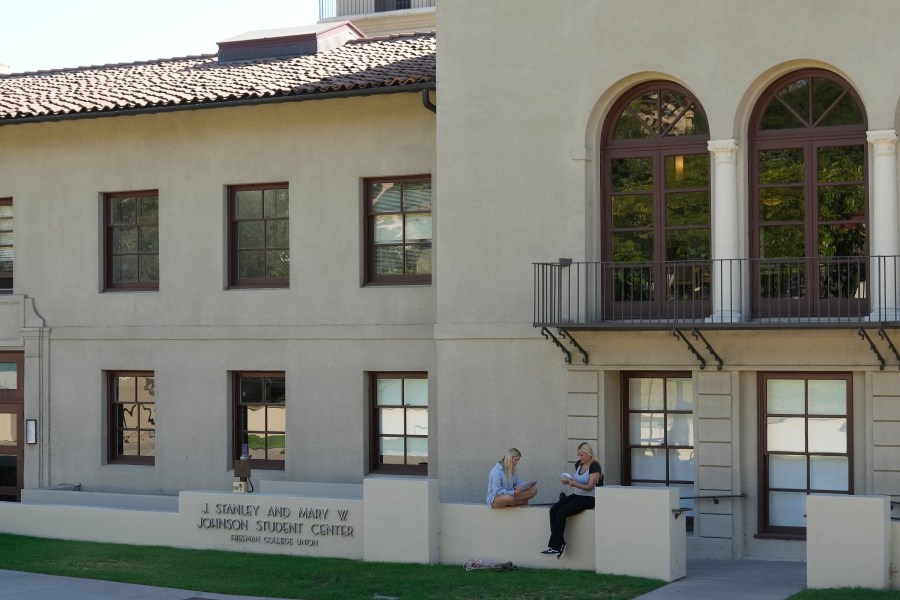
<point>655,208</point>
<point>808,190</point>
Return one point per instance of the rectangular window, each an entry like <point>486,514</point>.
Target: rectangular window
<point>398,230</point>
<point>259,418</point>
<point>399,409</point>
<point>259,250</point>
<point>132,417</point>
<point>659,432</point>
<point>131,240</point>
<point>6,245</point>
<point>388,5</point>
<point>805,445</point>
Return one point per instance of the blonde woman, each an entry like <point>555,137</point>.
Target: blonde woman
<point>505,489</point>
<point>586,477</point>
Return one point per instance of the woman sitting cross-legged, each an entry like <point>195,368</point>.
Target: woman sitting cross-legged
<point>583,481</point>
<point>505,489</point>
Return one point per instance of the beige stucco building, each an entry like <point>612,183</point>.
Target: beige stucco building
<point>669,232</point>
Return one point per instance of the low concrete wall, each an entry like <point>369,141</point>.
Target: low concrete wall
<point>402,519</point>
<point>848,541</point>
<point>264,523</point>
<point>92,524</point>
<point>640,533</point>
<point>513,534</point>
<point>895,555</point>
<point>397,519</point>
<point>348,491</point>
<point>100,499</point>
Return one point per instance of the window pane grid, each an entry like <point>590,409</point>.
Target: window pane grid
<point>399,230</point>
<point>260,420</point>
<point>132,408</point>
<point>805,445</point>
<point>808,197</point>
<point>132,241</point>
<point>400,422</point>
<point>659,437</point>
<point>259,236</point>
<point>657,205</point>
<point>7,251</point>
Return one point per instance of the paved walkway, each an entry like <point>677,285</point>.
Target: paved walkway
<point>707,579</point>
<point>33,586</point>
<point>735,580</point>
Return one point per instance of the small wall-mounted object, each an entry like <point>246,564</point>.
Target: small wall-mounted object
<point>31,431</point>
<point>565,262</point>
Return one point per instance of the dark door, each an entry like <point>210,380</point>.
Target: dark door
<point>12,426</point>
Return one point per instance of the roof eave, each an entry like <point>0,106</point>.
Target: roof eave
<point>124,112</point>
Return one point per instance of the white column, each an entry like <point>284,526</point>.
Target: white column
<point>726,273</point>
<point>884,220</point>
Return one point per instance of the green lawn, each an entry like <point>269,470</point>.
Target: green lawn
<point>282,576</point>
<point>309,578</point>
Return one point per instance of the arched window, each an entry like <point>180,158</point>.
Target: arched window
<point>808,209</point>
<point>655,216</point>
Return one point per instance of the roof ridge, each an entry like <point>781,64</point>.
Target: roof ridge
<point>393,36</point>
<point>136,63</point>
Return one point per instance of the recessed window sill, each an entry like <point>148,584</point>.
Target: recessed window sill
<point>780,536</point>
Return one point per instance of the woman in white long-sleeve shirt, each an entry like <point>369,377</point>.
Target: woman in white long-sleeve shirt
<point>505,489</point>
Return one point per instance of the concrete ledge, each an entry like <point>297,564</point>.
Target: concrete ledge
<point>100,500</point>
<point>346,491</point>
<point>513,534</point>
<point>92,524</point>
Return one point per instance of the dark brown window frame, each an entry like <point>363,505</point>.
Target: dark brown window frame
<point>240,432</point>
<point>234,280</point>
<point>659,148</point>
<point>113,429</point>
<point>108,228</point>
<point>808,139</point>
<point>627,446</point>
<point>765,530</point>
<point>6,277</point>
<point>12,401</point>
<point>375,465</point>
<point>370,278</point>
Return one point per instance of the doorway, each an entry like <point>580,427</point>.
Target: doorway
<point>12,426</point>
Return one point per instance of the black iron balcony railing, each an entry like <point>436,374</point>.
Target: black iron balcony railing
<point>739,293</point>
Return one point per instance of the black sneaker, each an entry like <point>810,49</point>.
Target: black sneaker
<point>562,549</point>
<point>550,551</point>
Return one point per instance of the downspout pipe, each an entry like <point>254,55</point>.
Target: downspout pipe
<point>426,100</point>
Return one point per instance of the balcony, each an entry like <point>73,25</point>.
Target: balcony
<point>329,9</point>
<point>818,292</point>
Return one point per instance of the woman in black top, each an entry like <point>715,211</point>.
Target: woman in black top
<point>583,481</point>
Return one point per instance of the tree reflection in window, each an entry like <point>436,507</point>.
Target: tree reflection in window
<point>261,418</point>
<point>657,202</point>
<point>809,188</point>
<point>132,417</point>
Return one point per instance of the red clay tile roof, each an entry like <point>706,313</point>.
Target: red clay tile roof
<point>376,64</point>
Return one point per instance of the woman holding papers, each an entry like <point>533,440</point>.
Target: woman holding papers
<point>505,489</point>
<point>586,477</point>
